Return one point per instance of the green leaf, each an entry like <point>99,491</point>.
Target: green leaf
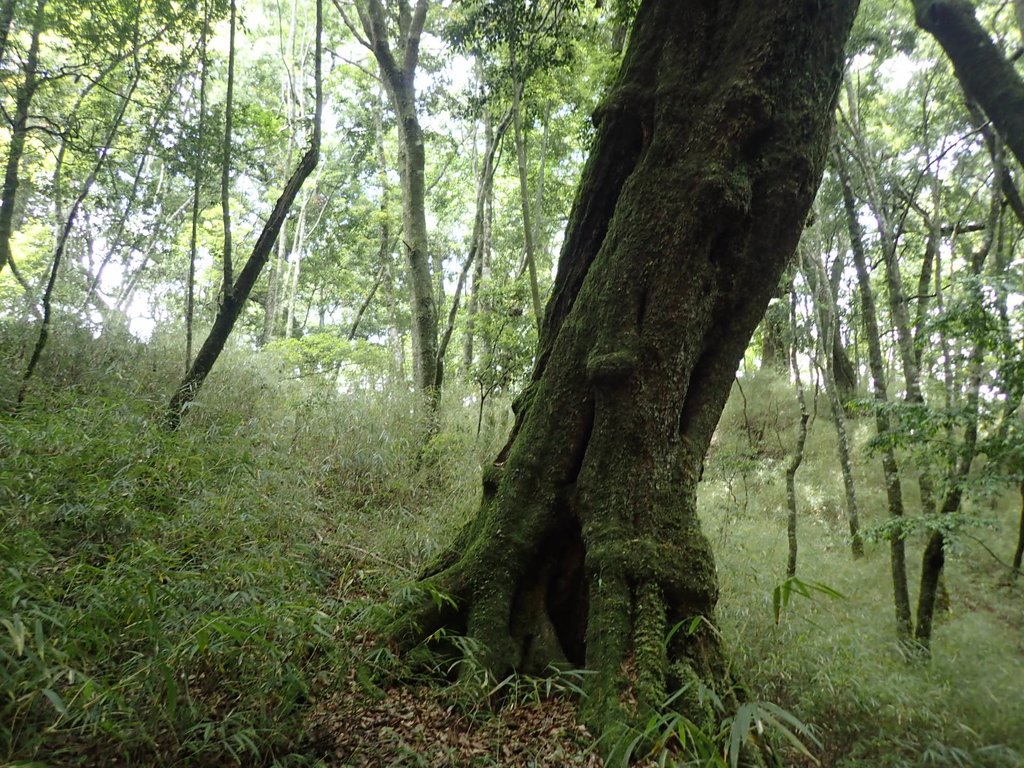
<point>56,700</point>
<point>783,592</point>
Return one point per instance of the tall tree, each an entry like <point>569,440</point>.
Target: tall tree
<point>883,426</point>
<point>225,163</point>
<point>962,456</point>
<point>197,175</point>
<point>825,318</point>
<point>65,227</point>
<point>19,131</point>
<point>587,545</point>
<point>398,61</point>
<point>796,458</point>
<point>6,19</point>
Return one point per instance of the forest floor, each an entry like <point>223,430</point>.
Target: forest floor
<point>201,598</point>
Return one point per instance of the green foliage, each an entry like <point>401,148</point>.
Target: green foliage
<point>161,595</point>
<point>669,738</point>
<point>836,663</point>
<point>784,591</point>
<point>505,337</point>
<point>951,526</point>
<point>329,352</point>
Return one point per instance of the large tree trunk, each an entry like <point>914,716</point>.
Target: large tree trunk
<point>587,546</point>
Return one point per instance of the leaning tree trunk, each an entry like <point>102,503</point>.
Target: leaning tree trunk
<point>986,76</point>
<point>234,301</point>
<point>587,546</point>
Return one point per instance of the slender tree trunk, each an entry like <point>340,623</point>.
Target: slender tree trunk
<point>797,457</point>
<point>890,467</point>
<point>485,185</point>
<point>19,131</point>
<point>225,163</point>
<point>588,546</point>
<point>277,267</point>
<point>385,245</point>
<point>235,300</point>
<point>295,265</point>
<point>934,555</point>
<point>775,345</point>
<point>68,225</point>
<point>481,270</point>
<point>116,233</point>
<point>826,321</point>
<point>524,195</point>
<point>398,71</point>
<point>843,369</point>
<point>285,266</point>
<point>540,240</point>
<point>197,180</point>
<point>6,19</point>
<point>898,302</point>
<point>165,224</point>
<point>366,302</point>
<point>1018,555</point>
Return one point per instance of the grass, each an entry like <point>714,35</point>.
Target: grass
<point>836,663</point>
<point>194,599</point>
<point>177,599</point>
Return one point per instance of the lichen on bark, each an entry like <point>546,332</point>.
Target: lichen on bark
<point>587,548</point>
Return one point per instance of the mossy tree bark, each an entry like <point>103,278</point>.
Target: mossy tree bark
<point>587,547</point>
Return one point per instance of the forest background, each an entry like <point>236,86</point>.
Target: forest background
<point>190,563</point>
